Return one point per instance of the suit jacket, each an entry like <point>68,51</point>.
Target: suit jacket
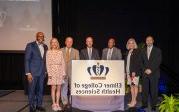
<point>74,55</point>
<point>116,54</point>
<point>84,54</point>
<point>34,63</point>
<point>153,62</point>
<point>135,62</point>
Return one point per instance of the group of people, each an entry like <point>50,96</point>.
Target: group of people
<point>55,63</point>
<point>145,64</point>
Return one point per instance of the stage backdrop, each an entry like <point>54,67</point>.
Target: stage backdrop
<point>21,19</point>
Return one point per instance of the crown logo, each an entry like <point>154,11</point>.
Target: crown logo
<point>98,72</point>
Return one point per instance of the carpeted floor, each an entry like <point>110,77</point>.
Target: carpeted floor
<point>5,92</point>
<point>16,101</point>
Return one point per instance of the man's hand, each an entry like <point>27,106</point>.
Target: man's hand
<point>46,74</point>
<point>50,77</point>
<point>65,77</point>
<point>29,77</point>
<point>148,71</point>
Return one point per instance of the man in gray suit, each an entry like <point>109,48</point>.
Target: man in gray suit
<point>69,54</point>
<point>111,53</point>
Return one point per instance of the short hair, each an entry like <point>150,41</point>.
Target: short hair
<point>58,45</point>
<point>112,38</point>
<point>39,33</point>
<point>150,37</point>
<point>89,37</point>
<point>68,38</point>
<point>133,40</point>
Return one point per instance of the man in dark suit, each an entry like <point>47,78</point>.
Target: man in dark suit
<point>111,53</point>
<point>89,53</point>
<point>151,60</point>
<point>35,69</point>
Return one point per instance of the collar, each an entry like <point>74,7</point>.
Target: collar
<point>38,43</point>
<point>150,46</point>
<point>111,48</point>
<point>66,48</point>
<point>130,51</point>
<point>90,48</point>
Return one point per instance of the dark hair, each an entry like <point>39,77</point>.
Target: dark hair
<point>89,37</point>
<point>150,37</point>
<point>112,38</point>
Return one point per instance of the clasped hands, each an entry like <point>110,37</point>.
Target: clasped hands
<point>148,71</point>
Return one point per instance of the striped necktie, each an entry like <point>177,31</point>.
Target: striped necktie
<point>68,55</point>
<point>90,53</point>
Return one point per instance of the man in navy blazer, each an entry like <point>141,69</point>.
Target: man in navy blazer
<point>35,69</point>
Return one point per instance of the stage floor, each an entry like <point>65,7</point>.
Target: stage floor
<point>16,101</point>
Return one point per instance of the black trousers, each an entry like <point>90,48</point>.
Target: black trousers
<point>149,87</point>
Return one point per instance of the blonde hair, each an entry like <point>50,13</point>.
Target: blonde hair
<point>58,45</point>
<point>133,40</point>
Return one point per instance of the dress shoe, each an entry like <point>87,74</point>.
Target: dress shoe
<point>66,106</point>
<point>40,108</point>
<point>153,108</point>
<point>32,109</point>
<point>143,107</point>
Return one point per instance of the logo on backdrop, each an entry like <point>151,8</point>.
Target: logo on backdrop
<point>2,18</point>
<point>98,72</point>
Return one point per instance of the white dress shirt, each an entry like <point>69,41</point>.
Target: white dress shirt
<point>89,52</point>
<point>41,48</point>
<point>149,49</point>
<point>128,62</point>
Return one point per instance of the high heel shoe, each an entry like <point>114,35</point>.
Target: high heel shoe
<point>54,107</point>
<point>133,104</point>
<point>59,108</point>
<point>129,104</point>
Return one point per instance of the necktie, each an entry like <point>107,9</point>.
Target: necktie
<point>68,55</point>
<point>90,53</point>
<point>109,54</point>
